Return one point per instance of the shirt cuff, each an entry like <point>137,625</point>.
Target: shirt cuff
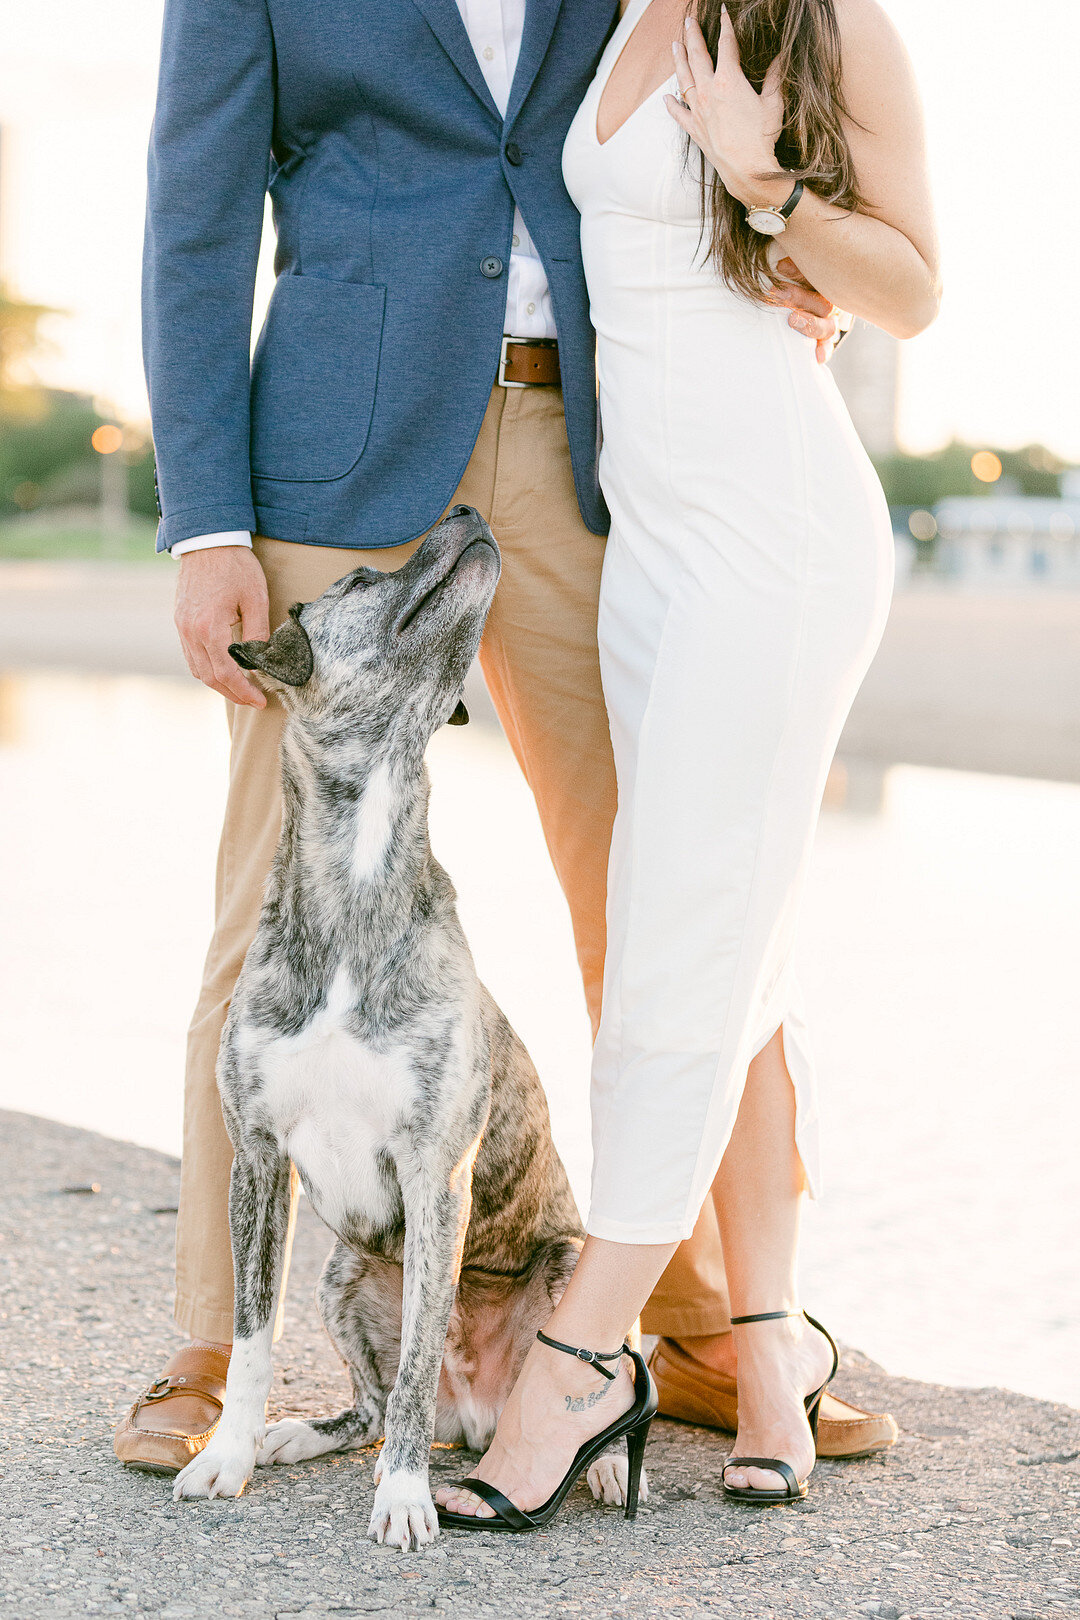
<point>206,542</point>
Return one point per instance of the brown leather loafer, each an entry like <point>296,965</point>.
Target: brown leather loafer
<point>694,1393</point>
<point>172,1421</point>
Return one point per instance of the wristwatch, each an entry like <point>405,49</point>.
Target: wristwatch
<point>773,221</point>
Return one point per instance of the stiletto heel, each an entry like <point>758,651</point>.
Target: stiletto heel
<point>635,1457</point>
<point>633,1425</point>
<point>796,1488</point>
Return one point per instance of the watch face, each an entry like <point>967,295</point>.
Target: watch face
<point>765,222</point>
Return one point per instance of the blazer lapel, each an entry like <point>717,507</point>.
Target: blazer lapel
<point>444,20</point>
<point>540,18</point>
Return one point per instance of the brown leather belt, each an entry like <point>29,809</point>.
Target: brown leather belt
<point>529,363</point>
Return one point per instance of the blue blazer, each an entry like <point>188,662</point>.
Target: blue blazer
<point>393,180</point>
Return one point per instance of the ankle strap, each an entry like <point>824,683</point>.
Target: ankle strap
<point>763,1316</point>
<point>593,1357</point>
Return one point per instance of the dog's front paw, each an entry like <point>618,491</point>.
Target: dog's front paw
<point>222,1469</point>
<point>290,1441</point>
<point>607,1479</point>
<point>404,1515</point>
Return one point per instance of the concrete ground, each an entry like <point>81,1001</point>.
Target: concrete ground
<point>975,1514</point>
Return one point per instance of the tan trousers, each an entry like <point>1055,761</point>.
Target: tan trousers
<point>540,661</point>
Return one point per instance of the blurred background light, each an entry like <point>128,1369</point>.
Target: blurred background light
<point>986,466</point>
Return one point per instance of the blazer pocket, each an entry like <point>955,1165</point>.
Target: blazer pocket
<point>313,378</point>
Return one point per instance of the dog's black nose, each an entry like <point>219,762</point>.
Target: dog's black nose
<point>459,511</point>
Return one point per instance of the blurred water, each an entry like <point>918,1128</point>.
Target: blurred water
<point>939,956</point>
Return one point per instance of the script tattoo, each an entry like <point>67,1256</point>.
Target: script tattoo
<point>584,1403</point>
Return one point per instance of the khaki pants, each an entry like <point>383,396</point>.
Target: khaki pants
<point>540,661</point>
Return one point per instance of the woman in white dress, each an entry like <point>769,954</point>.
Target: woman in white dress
<point>745,588</point>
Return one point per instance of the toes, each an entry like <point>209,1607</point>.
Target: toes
<point>466,1503</point>
<point>754,1479</point>
<point>455,1499</point>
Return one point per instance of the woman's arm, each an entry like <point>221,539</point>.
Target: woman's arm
<point>881,263</point>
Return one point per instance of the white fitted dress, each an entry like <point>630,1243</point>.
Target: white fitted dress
<point>745,589</point>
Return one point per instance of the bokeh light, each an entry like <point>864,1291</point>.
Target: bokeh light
<point>923,525</point>
<point>986,466</point>
<point>106,439</point>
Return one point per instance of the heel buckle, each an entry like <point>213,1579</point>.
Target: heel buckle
<point>594,1358</point>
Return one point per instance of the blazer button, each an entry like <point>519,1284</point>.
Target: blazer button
<point>491,267</point>
<point>513,154</point>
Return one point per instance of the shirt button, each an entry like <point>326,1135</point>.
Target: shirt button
<point>515,241</point>
<point>513,154</point>
<point>489,54</point>
<point>530,309</point>
<point>491,267</point>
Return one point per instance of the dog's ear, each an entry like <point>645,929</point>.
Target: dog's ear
<point>286,657</point>
<point>460,716</point>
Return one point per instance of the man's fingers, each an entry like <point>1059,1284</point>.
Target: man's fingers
<point>813,326</point>
<point>805,299</point>
<point>196,659</point>
<point>229,679</point>
<point>205,640</point>
<point>789,270</point>
<point>255,613</point>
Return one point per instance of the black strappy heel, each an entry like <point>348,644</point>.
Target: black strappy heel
<point>634,1424</point>
<point>796,1488</point>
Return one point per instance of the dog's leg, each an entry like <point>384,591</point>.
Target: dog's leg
<point>436,1216</point>
<point>355,1302</point>
<point>259,1194</point>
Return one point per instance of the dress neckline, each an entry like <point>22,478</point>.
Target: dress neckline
<point>640,11</point>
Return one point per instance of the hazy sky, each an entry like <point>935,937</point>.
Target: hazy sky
<point>1000,83</point>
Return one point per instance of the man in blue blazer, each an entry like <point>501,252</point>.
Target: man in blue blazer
<point>428,341</point>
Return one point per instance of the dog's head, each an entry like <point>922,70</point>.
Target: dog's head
<point>379,651</point>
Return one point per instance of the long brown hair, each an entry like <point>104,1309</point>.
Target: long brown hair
<point>805,35</point>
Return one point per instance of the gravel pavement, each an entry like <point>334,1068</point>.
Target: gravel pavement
<point>976,1513</point>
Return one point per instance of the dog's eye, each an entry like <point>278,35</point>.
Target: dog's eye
<point>360,579</point>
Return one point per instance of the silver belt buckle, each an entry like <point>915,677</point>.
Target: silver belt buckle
<point>502,365</point>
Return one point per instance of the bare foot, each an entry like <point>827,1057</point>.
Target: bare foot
<point>780,1363</point>
<point>556,1405</point>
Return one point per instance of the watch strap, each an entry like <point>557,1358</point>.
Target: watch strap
<point>793,201</point>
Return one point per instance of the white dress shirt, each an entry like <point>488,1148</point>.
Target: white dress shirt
<point>494,28</point>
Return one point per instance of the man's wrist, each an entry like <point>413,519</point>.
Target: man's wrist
<point>210,542</point>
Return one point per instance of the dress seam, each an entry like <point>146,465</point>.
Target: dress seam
<point>781,741</point>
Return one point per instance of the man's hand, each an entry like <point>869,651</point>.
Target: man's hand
<point>812,315</point>
<point>217,587</point>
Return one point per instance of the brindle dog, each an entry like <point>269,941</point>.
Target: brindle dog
<point>361,1046</point>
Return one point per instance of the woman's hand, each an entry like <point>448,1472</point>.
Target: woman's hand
<point>880,260</point>
<point>736,127</point>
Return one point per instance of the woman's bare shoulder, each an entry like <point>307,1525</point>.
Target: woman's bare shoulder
<point>877,69</point>
<point>868,34</point>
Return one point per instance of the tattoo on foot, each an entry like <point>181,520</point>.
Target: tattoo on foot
<point>584,1403</point>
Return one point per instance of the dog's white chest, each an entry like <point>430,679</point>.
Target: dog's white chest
<point>338,1104</point>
